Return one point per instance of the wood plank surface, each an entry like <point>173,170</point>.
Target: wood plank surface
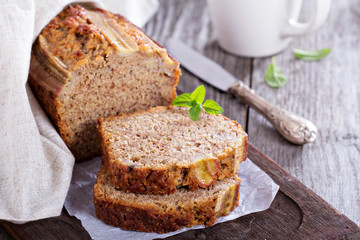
<point>326,92</point>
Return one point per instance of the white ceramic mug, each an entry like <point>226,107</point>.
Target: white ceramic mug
<point>259,28</point>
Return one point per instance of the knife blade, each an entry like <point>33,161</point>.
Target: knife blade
<point>295,129</point>
<point>209,71</point>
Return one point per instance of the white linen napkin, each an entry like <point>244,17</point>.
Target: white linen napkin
<point>35,164</point>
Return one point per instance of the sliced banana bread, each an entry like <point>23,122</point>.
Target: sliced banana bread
<point>161,149</point>
<point>155,213</point>
<point>87,64</point>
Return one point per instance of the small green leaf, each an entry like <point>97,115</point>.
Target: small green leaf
<point>183,100</point>
<point>311,55</point>
<point>212,107</point>
<point>199,94</point>
<point>194,102</point>
<point>195,112</point>
<point>274,76</point>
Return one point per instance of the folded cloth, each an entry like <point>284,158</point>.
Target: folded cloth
<point>35,164</point>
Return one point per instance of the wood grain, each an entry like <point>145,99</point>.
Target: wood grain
<point>62,227</point>
<point>4,234</point>
<point>326,92</point>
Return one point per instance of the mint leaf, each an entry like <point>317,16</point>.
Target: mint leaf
<point>274,76</point>
<point>212,107</point>
<point>194,101</point>
<point>183,100</point>
<point>199,94</point>
<point>311,55</point>
<point>195,112</point>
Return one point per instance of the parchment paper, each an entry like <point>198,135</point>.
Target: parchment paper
<point>257,191</point>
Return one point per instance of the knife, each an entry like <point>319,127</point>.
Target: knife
<point>294,128</point>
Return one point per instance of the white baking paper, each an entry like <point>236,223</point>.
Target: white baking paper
<point>257,191</point>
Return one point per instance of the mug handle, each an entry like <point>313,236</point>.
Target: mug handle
<point>295,28</point>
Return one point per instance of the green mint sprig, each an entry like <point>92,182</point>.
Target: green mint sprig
<point>311,55</point>
<point>274,77</point>
<point>195,101</point>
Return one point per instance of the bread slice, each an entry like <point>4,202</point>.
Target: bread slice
<point>155,213</point>
<point>160,150</point>
<point>87,64</point>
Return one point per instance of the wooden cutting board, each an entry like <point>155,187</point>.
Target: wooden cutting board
<point>296,213</point>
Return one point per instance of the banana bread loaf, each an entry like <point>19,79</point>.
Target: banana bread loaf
<point>160,150</point>
<point>155,213</point>
<point>87,64</point>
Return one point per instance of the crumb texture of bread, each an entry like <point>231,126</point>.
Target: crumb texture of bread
<point>160,150</point>
<point>87,64</point>
<point>161,214</point>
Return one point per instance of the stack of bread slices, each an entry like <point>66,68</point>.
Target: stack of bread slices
<point>162,171</point>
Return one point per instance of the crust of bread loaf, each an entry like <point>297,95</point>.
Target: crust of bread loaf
<point>135,216</point>
<point>166,179</point>
<point>48,77</point>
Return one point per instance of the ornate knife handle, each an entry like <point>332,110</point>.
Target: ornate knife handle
<point>294,128</point>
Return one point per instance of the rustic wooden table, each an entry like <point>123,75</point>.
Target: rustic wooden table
<point>326,92</point>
